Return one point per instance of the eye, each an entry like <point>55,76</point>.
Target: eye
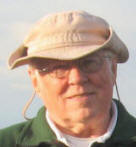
<point>91,62</point>
<point>59,71</point>
<point>91,65</point>
<point>42,70</point>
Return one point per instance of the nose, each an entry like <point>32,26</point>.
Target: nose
<point>76,76</point>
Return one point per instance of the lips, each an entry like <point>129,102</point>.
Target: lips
<point>81,95</point>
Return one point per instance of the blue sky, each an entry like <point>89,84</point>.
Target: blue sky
<point>16,18</point>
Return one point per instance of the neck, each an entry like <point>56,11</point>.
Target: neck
<point>91,129</point>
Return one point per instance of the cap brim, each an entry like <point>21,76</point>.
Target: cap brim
<point>19,57</point>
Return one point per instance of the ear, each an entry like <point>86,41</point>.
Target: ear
<point>33,77</point>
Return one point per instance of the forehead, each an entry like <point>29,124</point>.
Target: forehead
<point>43,61</point>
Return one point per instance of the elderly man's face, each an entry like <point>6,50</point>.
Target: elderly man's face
<point>77,95</point>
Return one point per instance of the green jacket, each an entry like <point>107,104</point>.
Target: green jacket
<point>33,132</point>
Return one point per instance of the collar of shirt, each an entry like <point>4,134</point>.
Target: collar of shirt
<point>72,141</point>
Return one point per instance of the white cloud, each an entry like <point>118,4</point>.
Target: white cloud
<point>19,30</point>
<point>21,87</point>
<point>17,79</point>
<point>3,70</point>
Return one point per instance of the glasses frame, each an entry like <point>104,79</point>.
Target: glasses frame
<point>79,63</point>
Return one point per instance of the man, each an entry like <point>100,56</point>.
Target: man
<point>72,58</point>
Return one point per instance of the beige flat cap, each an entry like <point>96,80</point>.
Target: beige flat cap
<point>68,36</point>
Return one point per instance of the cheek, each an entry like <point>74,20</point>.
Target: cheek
<point>52,88</point>
<point>103,82</point>
<point>52,92</point>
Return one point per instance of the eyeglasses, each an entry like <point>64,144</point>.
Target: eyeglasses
<point>61,69</point>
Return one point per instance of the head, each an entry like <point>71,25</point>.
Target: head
<point>72,59</point>
<point>77,90</point>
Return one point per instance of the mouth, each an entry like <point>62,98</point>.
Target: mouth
<point>81,95</point>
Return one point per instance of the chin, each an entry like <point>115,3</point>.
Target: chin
<point>82,115</point>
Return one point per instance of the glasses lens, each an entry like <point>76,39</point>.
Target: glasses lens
<point>59,71</point>
<point>91,65</point>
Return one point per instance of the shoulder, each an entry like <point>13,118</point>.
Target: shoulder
<point>9,135</point>
<point>30,132</point>
<point>125,118</point>
<point>125,129</point>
